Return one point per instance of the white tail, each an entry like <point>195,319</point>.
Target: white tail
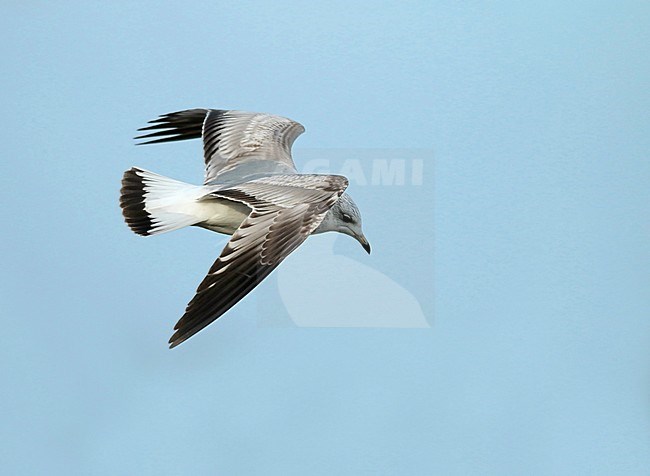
<point>153,204</point>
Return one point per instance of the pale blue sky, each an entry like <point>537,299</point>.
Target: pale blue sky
<point>535,281</point>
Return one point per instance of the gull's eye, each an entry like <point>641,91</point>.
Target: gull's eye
<point>346,218</point>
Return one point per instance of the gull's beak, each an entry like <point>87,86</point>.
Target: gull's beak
<point>364,243</point>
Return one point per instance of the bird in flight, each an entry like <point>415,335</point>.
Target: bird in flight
<point>251,191</point>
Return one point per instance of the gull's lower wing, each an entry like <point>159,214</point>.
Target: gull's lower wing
<point>285,211</point>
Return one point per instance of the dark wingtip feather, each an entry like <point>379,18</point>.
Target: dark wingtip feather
<point>175,126</point>
<point>176,339</point>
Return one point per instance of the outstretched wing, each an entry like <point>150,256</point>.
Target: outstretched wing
<point>286,209</point>
<point>230,138</point>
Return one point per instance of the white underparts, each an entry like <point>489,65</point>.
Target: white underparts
<point>172,204</point>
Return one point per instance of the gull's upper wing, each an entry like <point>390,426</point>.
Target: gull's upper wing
<point>230,138</point>
<point>285,210</point>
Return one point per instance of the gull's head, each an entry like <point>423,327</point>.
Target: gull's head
<point>344,217</point>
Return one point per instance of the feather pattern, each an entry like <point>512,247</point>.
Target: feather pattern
<point>230,138</point>
<point>283,216</point>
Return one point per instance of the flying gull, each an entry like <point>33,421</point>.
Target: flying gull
<point>251,191</point>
